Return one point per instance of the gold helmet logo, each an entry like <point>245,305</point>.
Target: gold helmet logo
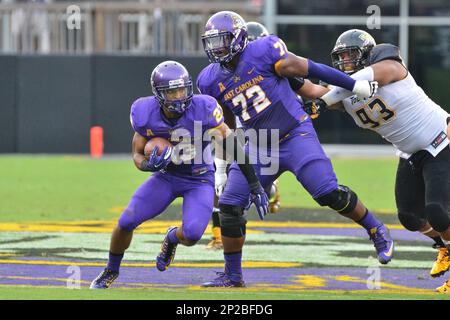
<point>237,22</point>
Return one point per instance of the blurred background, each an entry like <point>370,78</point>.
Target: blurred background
<point>68,66</point>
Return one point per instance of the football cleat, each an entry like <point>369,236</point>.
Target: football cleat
<point>167,253</point>
<point>274,198</point>
<point>445,288</point>
<point>216,242</point>
<point>442,263</point>
<point>224,280</point>
<point>383,243</point>
<point>104,279</point>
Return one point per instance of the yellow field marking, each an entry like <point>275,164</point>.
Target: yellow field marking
<point>287,288</point>
<point>160,226</point>
<point>310,281</point>
<point>382,284</point>
<point>9,255</point>
<point>245,264</point>
<point>257,288</point>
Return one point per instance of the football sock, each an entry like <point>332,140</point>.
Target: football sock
<point>173,236</point>
<point>439,242</point>
<point>217,234</point>
<point>369,221</point>
<point>215,218</point>
<point>233,265</point>
<point>114,261</point>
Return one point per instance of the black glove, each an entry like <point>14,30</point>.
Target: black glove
<point>314,107</point>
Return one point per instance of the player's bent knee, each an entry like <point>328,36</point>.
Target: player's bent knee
<point>342,199</point>
<point>410,221</point>
<point>127,221</point>
<point>232,221</point>
<point>437,216</point>
<point>191,235</point>
<point>189,243</point>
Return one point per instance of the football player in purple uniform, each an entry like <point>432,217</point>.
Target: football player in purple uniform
<point>251,80</point>
<point>176,114</point>
<point>255,30</point>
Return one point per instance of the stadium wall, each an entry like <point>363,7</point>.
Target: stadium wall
<point>8,108</point>
<point>49,103</point>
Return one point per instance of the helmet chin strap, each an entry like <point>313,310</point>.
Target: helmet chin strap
<point>171,114</point>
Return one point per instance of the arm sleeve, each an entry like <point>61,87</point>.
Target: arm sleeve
<point>338,94</point>
<point>238,153</point>
<point>296,83</point>
<point>330,75</point>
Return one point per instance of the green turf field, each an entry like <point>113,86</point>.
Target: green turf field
<point>52,188</point>
<point>176,294</point>
<point>58,211</point>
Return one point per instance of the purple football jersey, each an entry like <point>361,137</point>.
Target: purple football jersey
<point>192,153</point>
<point>253,91</point>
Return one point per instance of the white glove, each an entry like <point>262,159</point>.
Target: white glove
<point>220,176</point>
<point>365,89</point>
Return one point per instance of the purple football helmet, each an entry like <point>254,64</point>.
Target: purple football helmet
<point>172,86</point>
<point>225,36</point>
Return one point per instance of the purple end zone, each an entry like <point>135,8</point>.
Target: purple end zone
<point>44,275</point>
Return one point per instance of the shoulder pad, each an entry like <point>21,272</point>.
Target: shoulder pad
<point>139,112</point>
<point>385,51</point>
<point>205,79</point>
<point>206,101</point>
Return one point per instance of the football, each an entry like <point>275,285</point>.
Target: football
<point>159,142</point>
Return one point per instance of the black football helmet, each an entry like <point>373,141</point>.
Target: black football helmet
<point>256,30</point>
<point>352,50</point>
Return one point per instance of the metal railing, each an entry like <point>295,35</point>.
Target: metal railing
<point>159,27</point>
<point>403,21</point>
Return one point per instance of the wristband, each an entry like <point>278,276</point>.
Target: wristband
<point>221,165</point>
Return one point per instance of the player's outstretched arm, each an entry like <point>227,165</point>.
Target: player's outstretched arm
<point>294,66</point>
<point>310,90</point>
<point>384,72</point>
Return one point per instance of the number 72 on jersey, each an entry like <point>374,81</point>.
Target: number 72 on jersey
<point>259,103</point>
